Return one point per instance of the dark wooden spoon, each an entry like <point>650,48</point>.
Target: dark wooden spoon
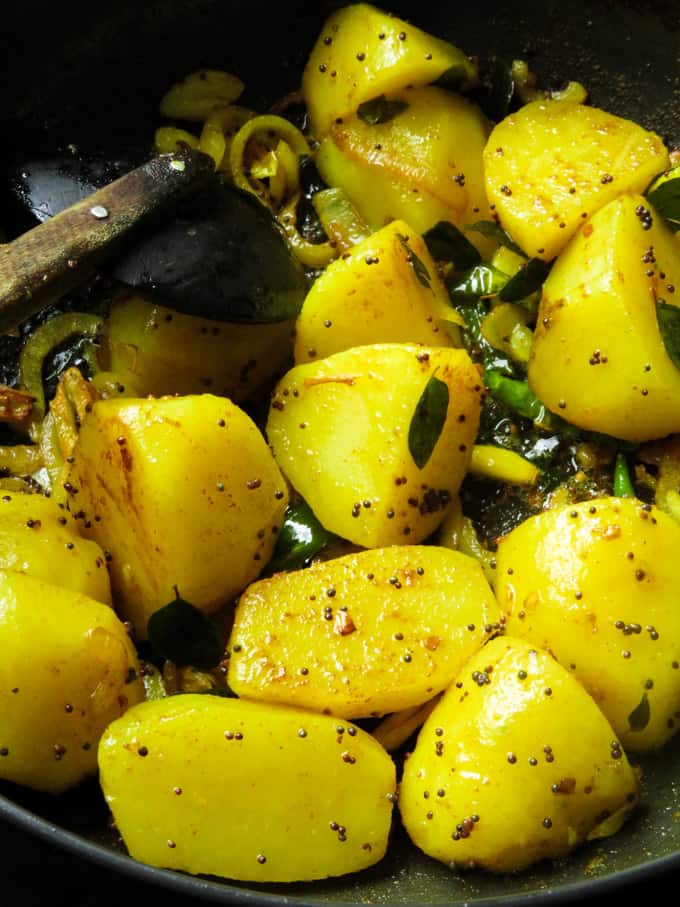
<point>169,227</point>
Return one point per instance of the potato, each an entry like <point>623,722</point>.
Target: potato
<point>245,790</point>
<point>184,494</point>
<point>68,668</point>
<point>340,431</point>
<point>423,165</point>
<point>363,52</point>
<point>553,163</point>
<point>515,764</point>
<point>386,289</point>
<point>157,351</point>
<point>41,538</point>
<point>596,584</point>
<point>361,635</point>
<point>598,357</point>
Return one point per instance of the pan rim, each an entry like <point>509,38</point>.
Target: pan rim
<point>222,892</point>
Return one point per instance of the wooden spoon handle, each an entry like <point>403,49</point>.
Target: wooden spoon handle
<point>61,253</point>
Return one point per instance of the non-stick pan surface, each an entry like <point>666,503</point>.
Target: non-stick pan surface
<point>93,75</point>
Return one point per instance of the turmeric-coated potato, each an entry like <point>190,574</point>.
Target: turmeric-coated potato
<point>363,53</point>
<point>377,439</point>
<point>245,790</point>
<point>67,670</point>
<point>157,351</point>
<point>41,538</point>
<point>597,584</point>
<point>515,764</point>
<point>552,164</point>
<point>385,290</point>
<point>183,493</point>
<point>598,356</point>
<point>422,163</point>
<point>361,635</point>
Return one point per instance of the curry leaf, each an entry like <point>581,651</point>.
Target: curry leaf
<point>668,317</point>
<point>380,110</point>
<point>446,242</point>
<point>428,420</point>
<point>526,281</point>
<point>639,717</point>
<point>299,539</point>
<point>421,272</point>
<point>494,231</point>
<point>481,280</point>
<point>666,200</point>
<point>182,633</point>
<point>455,78</point>
<point>497,86</point>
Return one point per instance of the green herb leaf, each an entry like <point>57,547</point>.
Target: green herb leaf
<point>497,88</point>
<point>421,272</point>
<point>668,318</point>
<point>380,110</point>
<point>666,200</point>
<point>299,539</point>
<point>495,232</point>
<point>526,281</point>
<point>428,420</point>
<point>455,78</point>
<point>182,633</point>
<point>446,242</point>
<point>481,280</point>
<point>623,485</point>
<point>639,717</point>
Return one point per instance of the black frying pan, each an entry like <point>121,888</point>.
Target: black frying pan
<point>94,74</point>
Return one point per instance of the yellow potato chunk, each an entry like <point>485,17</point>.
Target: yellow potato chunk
<point>245,790</point>
<point>596,584</point>
<point>363,52</point>
<point>598,357</point>
<point>553,163</point>
<point>184,494</point>
<point>67,670</point>
<point>361,635</point>
<point>385,290</point>
<point>41,538</point>
<point>515,764</point>
<point>423,165</point>
<point>341,429</point>
<point>157,351</point>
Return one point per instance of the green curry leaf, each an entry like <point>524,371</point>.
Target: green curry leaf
<point>639,717</point>
<point>428,420</point>
<point>668,317</point>
<point>480,281</point>
<point>455,78</point>
<point>446,242</point>
<point>526,281</point>
<point>421,272</point>
<point>495,232</point>
<point>299,539</point>
<point>380,110</point>
<point>665,198</point>
<point>182,633</point>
